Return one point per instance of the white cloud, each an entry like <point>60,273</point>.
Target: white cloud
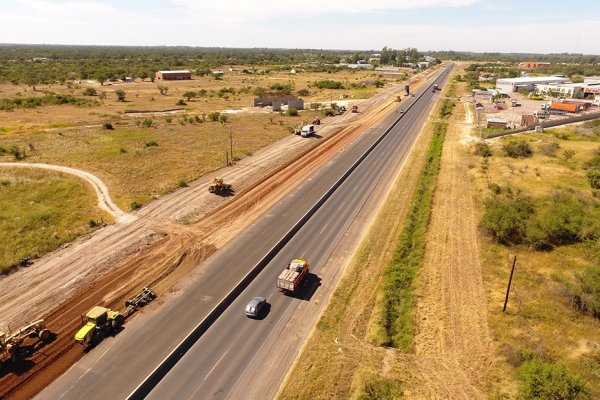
<point>239,11</point>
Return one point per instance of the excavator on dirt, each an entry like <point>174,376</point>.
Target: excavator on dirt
<point>219,187</point>
<point>12,344</point>
<point>101,322</point>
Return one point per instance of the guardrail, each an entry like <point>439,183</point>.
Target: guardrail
<point>144,388</point>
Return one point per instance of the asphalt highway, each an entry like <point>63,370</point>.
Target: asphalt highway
<point>226,355</point>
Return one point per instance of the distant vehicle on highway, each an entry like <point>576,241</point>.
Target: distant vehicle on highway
<point>255,307</point>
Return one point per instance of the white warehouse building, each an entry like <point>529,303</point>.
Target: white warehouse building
<point>510,85</point>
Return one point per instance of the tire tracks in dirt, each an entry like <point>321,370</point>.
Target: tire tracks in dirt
<point>453,343</point>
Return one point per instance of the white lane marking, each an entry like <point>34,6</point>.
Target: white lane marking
<point>216,364</point>
<point>325,227</point>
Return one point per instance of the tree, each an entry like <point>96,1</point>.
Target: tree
<point>189,95</point>
<point>163,90</point>
<point>120,94</point>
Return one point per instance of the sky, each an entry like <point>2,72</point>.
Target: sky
<point>548,26</point>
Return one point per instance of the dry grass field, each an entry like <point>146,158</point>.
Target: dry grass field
<point>149,154</point>
<point>52,209</point>
<point>540,317</point>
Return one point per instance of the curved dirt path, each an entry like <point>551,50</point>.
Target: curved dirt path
<point>104,201</point>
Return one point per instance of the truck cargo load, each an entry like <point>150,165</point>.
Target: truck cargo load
<point>292,277</point>
<point>572,108</point>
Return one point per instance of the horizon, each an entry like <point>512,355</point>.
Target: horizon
<point>475,26</point>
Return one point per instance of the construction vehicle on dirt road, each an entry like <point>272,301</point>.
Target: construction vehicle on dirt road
<point>12,344</point>
<point>219,187</point>
<point>293,276</point>
<point>102,322</point>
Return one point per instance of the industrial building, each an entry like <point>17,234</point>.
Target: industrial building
<point>173,75</point>
<point>510,85</point>
<point>534,64</point>
<point>571,90</point>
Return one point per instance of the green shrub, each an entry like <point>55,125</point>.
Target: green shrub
<point>557,224</point>
<point>90,92</point>
<point>168,120</point>
<point>593,176</point>
<point>147,122</point>
<point>107,126</point>
<point>303,92</point>
<point>181,102</point>
<point>483,149</point>
<point>328,112</point>
<point>151,143</point>
<point>214,116</point>
<point>549,381</point>
<point>593,163</point>
<point>377,388</point>
<point>568,154</point>
<point>135,205</point>
<point>120,94</point>
<point>587,296</point>
<point>549,149</point>
<point>505,219</point>
<point>182,183</point>
<point>517,149</point>
<point>292,112</point>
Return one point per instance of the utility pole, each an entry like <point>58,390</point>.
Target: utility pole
<point>512,271</point>
<point>231,145</point>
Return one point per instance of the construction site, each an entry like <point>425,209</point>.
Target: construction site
<point>109,267</point>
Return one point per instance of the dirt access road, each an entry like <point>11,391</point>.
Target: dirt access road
<point>156,250</point>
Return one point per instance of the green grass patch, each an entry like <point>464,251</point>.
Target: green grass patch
<point>395,308</point>
<point>374,387</point>
<point>40,211</point>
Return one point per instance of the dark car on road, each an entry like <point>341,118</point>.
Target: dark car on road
<point>255,307</point>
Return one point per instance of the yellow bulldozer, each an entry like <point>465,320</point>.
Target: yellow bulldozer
<point>12,344</point>
<point>219,187</point>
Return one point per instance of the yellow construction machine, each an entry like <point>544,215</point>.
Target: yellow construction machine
<point>219,187</point>
<point>101,322</point>
<point>12,344</point>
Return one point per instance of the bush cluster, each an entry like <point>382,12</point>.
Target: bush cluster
<point>483,149</point>
<point>328,84</point>
<point>586,294</point>
<point>46,100</point>
<point>558,220</point>
<point>517,149</point>
<point>542,381</point>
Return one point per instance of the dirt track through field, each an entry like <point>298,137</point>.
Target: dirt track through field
<point>453,343</point>
<point>104,201</point>
<point>109,266</point>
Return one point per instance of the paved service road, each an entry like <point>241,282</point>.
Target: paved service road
<point>222,359</point>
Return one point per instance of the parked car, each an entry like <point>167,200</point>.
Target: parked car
<point>255,307</point>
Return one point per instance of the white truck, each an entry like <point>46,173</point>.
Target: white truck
<point>307,130</point>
